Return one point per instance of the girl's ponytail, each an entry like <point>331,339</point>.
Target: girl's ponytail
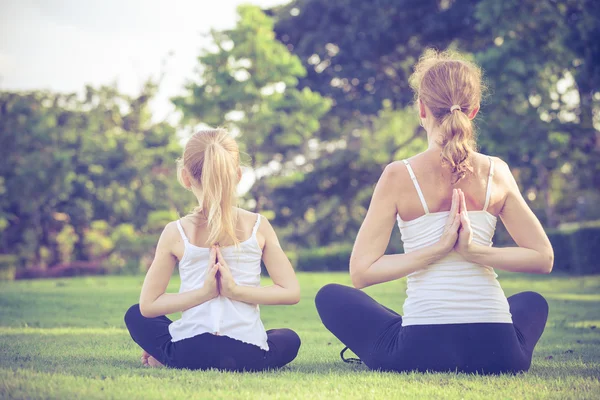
<point>211,157</point>
<point>218,182</point>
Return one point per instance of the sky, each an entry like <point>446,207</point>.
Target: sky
<point>62,45</point>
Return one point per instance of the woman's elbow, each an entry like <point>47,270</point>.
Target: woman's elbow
<point>145,310</point>
<point>545,264</point>
<point>358,280</point>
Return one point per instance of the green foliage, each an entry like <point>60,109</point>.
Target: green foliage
<point>8,267</point>
<point>576,249</point>
<point>87,353</point>
<point>330,258</point>
<point>248,84</point>
<point>541,64</point>
<point>84,165</point>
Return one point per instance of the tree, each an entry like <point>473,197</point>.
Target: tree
<point>542,64</point>
<point>360,55</point>
<point>248,83</point>
<point>67,162</point>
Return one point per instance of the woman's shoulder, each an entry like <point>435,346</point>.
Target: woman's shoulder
<point>501,170</point>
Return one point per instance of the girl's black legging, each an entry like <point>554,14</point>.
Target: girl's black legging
<point>207,351</point>
<point>375,333</point>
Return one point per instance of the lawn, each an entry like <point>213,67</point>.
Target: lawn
<point>66,338</point>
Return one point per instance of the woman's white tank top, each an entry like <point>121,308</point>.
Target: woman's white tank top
<point>221,315</point>
<point>451,290</point>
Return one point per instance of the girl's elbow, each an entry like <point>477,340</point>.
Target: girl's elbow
<point>549,264</point>
<point>545,266</point>
<point>294,296</point>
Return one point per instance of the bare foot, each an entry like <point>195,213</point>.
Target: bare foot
<point>153,362</point>
<point>144,358</point>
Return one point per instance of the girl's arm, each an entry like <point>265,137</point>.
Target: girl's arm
<point>285,288</point>
<point>153,299</point>
<point>368,264</point>
<point>534,254</point>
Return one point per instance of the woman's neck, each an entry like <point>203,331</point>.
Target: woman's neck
<point>433,137</point>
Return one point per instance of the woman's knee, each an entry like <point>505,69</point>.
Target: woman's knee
<point>132,314</point>
<point>532,300</point>
<point>327,294</point>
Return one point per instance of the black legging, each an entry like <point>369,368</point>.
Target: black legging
<point>207,351</point>
<point>375,333</point>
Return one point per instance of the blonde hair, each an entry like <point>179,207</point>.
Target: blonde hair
<point>211,158</point>
<point>442,81</point>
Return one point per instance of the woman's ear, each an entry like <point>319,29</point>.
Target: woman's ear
<point>422,110</point>
<point>473,113</point>
<point>239,174</point>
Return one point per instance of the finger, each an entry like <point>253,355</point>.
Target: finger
<point>465,222</point>
<point>220,255</point>
<point>212,257</point>
<point>463,203</point>
<point>454,207</point>
<point>456,223</point>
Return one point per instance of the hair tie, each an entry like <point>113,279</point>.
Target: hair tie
<point>455,107</point>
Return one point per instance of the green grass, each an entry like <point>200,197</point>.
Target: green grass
<point>66,339</point>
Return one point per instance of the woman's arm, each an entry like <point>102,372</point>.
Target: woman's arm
<point>368,264</point>
<point>285,288</point>
<point>153,299</point>
<point>534,254</point>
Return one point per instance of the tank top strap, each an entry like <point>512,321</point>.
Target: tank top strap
<point>488,192</point>
<point>419,192</point>
<point>256,225</point>
<point>180,228</point>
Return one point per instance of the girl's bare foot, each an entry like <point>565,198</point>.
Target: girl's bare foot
<point>144,358</point>
<point>153,362</point>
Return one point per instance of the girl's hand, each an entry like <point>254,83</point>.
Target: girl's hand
<point>211,284</point>
<point>465,233</point>
<point>227,285</point>
<point>450,235</point>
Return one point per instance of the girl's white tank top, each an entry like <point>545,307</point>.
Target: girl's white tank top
<point>221,315</point>
<point>451,290</point>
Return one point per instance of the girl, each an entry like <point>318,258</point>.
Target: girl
<point>446,201</point>
<point>219,249</point>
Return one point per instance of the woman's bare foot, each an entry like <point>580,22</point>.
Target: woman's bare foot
<point>153,362</point>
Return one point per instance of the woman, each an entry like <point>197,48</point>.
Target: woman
<point>446,201</point>
<point>219,248</point>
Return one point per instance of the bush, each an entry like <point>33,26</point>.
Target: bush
<point>335,257</point>
<point>331,258</point>
<point>577,249</point>
<point>8,267</point>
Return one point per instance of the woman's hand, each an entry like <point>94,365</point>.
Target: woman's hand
<point>211,283</point>
<point>465,233</point>
<point>227,285</point>
<point>450,235</point>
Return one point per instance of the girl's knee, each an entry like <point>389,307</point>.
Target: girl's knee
<point>292,347</point>
<point>293,340</point>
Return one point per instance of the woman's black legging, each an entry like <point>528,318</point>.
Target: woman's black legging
<point>375,333</point>
<point>207,351</point>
